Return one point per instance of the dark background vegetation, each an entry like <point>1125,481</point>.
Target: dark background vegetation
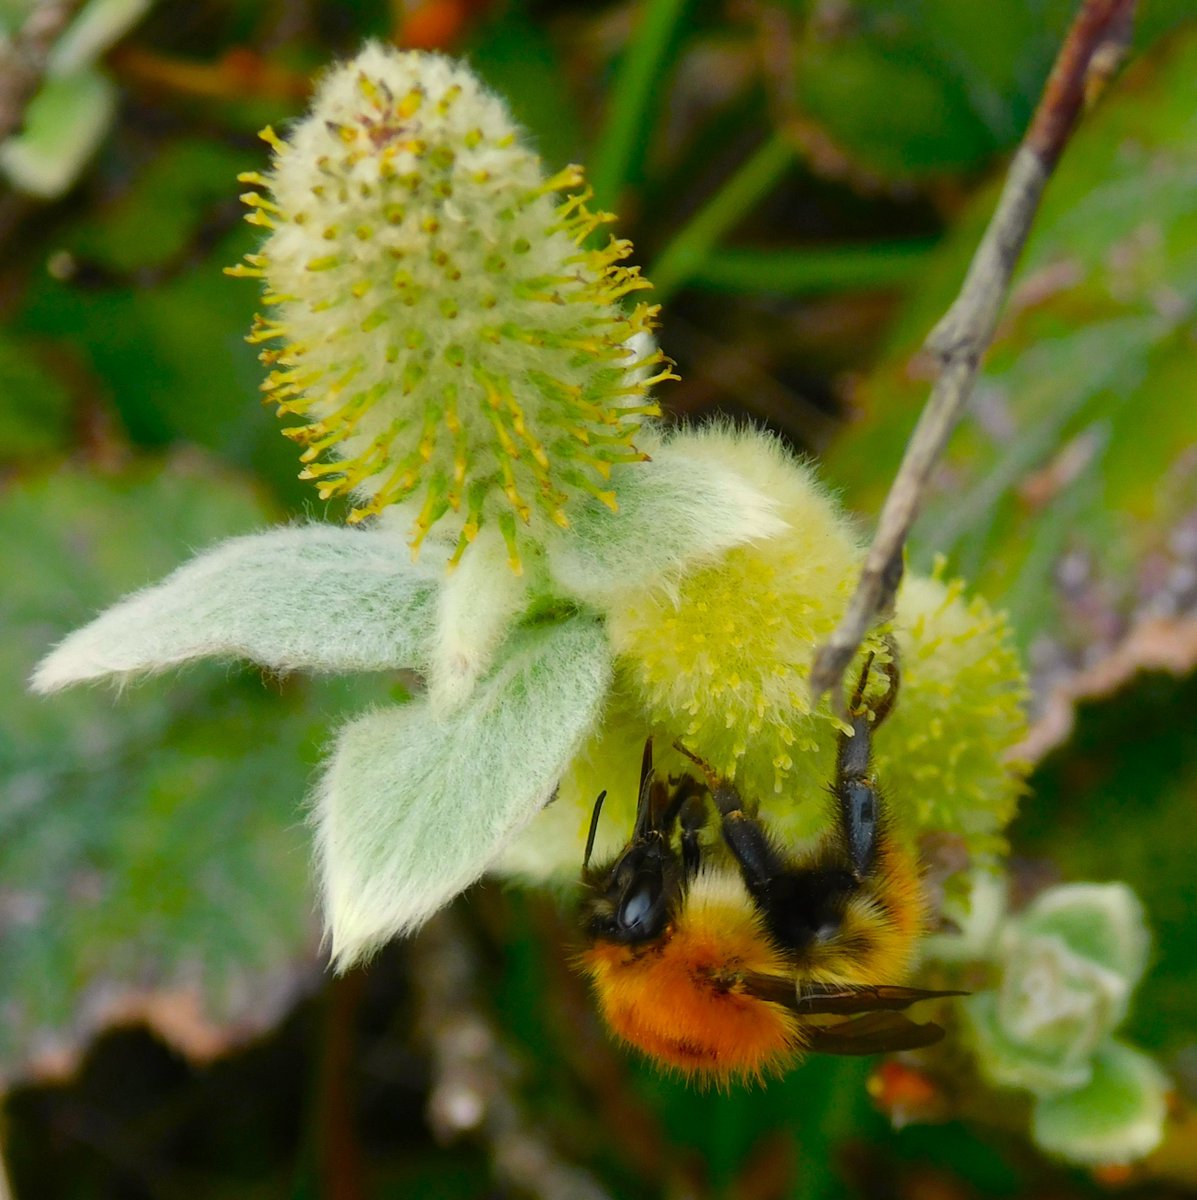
<point>804,179</point>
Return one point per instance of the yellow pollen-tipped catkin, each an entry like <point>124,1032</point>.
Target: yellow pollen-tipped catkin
<point>418,250</point>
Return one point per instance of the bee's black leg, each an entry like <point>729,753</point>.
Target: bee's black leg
<point>855,789</point>
<point>687,809</point>
<point>693,818</point>
<point>745,837</point>
<point>799,904</point>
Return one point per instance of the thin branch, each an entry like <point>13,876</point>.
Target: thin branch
<point>475,1080</point>
<point>24,56</point>
<point>1091,52</point>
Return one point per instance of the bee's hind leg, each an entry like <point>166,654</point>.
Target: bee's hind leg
<point>855,789</point>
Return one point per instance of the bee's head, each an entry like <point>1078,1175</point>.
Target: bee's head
<point>630,900</point>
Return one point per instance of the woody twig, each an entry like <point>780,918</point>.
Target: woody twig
<point>1091,53</point>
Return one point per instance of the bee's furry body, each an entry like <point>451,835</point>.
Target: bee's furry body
<point>725,960</point>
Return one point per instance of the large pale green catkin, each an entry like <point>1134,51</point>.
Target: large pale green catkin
<point>719,659</point>
<point>447,337</point>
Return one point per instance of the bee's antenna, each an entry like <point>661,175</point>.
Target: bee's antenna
<point>646,764</point>
<point>644,813</point>
<point>594,820</point>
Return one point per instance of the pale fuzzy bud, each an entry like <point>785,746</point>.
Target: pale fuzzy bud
<point>945,755</point>
<point>1119,1117</point>
<point>1058,1004</point>
<point>1106,922</point>
<point>722,660</point>
<point>1069,966</point>
<point>445,335</point>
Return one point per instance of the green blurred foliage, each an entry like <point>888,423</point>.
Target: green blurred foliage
<point>1132,766</point>
<point>1079,439</point>
<point>153,842</point>
<point>517,58</point>
<point>35,407</point>
<point>911,89</point>
<point>914,87</point>
<point>143,308</point>
<point>150,843</point>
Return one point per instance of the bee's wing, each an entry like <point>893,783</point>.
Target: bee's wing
<point>812,999</point>
<point>875,1023</point>
<point>822,998</point>
<point>877,1032</point>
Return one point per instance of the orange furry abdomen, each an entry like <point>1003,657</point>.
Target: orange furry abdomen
<point>681,999</point>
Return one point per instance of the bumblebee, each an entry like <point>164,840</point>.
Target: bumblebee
<point>732,960</point>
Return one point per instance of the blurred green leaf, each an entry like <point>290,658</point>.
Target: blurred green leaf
<point>514,56</point>
<point>1160,18</point>
<point>34,404</point>
<point>618,154</point>
<point>689,249</point>
<point>166,217</point>
<point>151,845</point>
<point>172,358</point>
<point>814,271</point>
<point>909,88</point>
<point>64,126</point>
<point>1118,1117</point>
<point>145,305</point>
<point>1072,469</point>
<point>98,27</point>
<point>12,14</point>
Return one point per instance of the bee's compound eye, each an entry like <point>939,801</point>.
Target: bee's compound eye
<point>641,905</point>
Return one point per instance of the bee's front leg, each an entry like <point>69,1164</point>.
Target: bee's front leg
<point>744,835</point>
